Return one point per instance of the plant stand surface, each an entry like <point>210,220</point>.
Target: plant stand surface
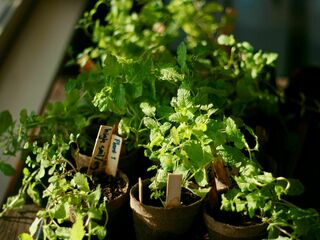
<point>18,221</point>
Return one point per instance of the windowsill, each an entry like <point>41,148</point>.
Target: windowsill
<point>30,67</point>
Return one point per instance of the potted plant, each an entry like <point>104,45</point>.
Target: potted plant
<point>259,198</point>
<point>74,204</point>
<point>184,139</point>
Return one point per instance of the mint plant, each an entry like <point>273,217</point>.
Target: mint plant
<point>187,137</point>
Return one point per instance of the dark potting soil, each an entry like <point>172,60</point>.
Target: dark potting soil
<point>112,187</point>
<point>187,198</point>
<point>232,218</point>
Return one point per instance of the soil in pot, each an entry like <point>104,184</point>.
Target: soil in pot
<point>222,225</point>
<point>115,191</point>
<point>157,222</point>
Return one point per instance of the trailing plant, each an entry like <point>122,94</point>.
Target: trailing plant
<point>74,114</point>
<point>73,203</point>
<point>258,194</point>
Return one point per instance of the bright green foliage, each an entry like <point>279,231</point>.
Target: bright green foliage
<point>260,195</point>
<point>51,181</point>
<point>188,139</point>
<point>129,27</point>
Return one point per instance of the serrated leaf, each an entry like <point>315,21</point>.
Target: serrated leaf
<point>64,233</point>
<point>81,182</point>
<point>147,109</point>
<point>170,74</point>
<point>150,123</point>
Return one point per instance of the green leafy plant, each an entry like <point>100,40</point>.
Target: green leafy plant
<point>192,138</point>
<point>187,137</point>
<point>73,203</point>
<point>73,114</point>
<point>129,28</point>
<point>258,194</point>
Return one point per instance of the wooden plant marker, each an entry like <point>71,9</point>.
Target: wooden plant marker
<point>113,155</point>
<point>100,149</point>
<point>140,188</point>
<point>173,196</point>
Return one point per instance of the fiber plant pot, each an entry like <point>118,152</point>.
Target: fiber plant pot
<point>218,230</point>
<point>119,213</point>
<point>152,222</point>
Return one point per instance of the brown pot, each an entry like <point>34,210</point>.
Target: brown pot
<point>119,214</point>
<point>157,223</point>
<point>221,231</point>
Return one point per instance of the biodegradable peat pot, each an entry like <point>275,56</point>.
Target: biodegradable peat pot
<point>119,214</point>
<point>157,223</point>
<point>222,231</point>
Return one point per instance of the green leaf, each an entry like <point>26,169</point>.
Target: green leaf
<point>226,40</point>
<point>99,231</point>
<point>60,211</point>
<point>182,56</point>
<point>95,213</point>
<point>81,182</point>
<point>199,156</point>
<point>34,193</point>
<point>64,233</point>
<point>169,73</point>
<point>201,177</point>
<point>7,169</point>
<point>119,96</point>
<point>35,226</point>
<point>5,121</point>
<point>77,230</point>
<point>150,123</point>
<point>147,109</point>
<point>94,197</point>
<point>112,66</point>
<point>25,236</point>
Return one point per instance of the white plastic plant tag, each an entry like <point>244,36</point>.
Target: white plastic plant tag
<point>113,155</point>
<point>100,149</point>
<point>173,196</point>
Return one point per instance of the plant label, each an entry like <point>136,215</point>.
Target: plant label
<point>140,190</point>
<point>173,196</point>
<point>100,149</point>
<point>113,155</point>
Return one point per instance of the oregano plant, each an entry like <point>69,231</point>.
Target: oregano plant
<point>72,203</point>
